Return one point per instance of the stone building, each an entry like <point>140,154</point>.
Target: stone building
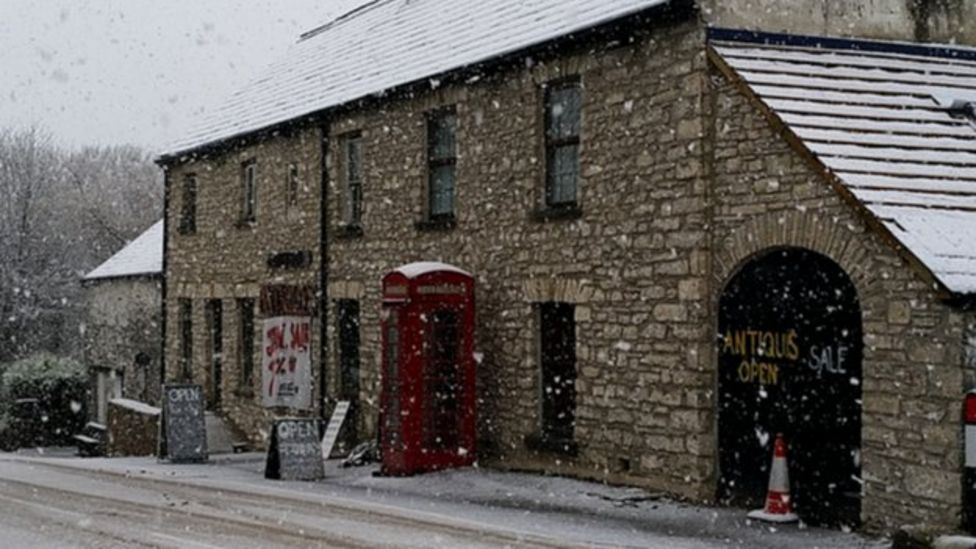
<point>685,240</point>
<point>122,329</point>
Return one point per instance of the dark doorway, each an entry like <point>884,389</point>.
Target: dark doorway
<point>348,333</point>
<point>790,349</point>
<point>557,347</point>
<point>215,323</point>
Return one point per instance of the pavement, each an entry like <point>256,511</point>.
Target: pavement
<point>517,505</point>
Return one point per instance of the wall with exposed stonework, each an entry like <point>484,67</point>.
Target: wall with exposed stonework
<point>227,260</point>
<point>122,320</point>
<point>766,196</point>
<point>633,263</point>
<point>939,21</point>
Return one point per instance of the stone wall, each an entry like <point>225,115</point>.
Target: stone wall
<point>767,196</point>
<point>939,21</point>
<point>133,428</point>
<point>633,263</point>
<point>228,260</point>
<point>122,321</point>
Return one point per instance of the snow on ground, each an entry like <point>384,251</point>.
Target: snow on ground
<point>587,512</point>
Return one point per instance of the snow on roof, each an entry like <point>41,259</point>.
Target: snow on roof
<point>389,43</point>
<point>142,256</point>
<point>413,270</point>
<point>881,120</point>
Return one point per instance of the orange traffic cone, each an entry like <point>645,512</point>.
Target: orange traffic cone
<point>779,505</point>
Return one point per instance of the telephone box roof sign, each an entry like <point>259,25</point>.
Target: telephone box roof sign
<point>879,117</point>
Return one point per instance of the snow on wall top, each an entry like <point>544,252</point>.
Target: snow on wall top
<point>142,256</point>
<point>389,43</point>
<point>880,121</point>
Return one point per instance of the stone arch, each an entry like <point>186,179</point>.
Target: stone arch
<point>837,239</point>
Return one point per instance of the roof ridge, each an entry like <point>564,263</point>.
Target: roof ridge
<point>349,15</point>
<point>862,45</point>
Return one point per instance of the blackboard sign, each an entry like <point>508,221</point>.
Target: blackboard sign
<point>294,453</point>
<point>183,427</point>
<point>335,425</point>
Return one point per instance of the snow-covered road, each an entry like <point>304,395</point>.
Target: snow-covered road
<point>47,502</point>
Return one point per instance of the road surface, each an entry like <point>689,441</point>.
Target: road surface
<point>42,505</point>
<point>59,502</point>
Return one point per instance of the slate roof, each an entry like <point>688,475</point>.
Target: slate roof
<point>390,43</point>
<point>141,257</point>
<point>879,116</point>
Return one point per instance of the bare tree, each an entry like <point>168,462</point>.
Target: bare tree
<point>62,213</point>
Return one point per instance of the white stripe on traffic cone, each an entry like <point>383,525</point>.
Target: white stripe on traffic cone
<point>779,505</point>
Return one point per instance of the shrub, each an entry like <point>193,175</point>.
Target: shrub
<point>44,399</point>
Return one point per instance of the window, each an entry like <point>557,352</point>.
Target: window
<point>188,211</point>
<point>441,162</point>
<point>292,186</point>
<point>245,308</point>
<point>562,106</point>
<point>557,353</point>
<point>186,339</point>
<point>215,313</point>
<point>353,164</point>
<point>250,191</point>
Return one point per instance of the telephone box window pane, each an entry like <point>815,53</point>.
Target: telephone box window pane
<point>391,372</point>
<point>558,376</point>
<point>442,381</point>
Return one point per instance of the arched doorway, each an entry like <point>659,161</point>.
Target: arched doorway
<point>790,349</point>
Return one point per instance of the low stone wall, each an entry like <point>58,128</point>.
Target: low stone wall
<point>133,428</point>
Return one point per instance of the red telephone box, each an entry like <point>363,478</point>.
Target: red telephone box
<point>427,408</point>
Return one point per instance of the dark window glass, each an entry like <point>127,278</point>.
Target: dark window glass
<point>441,162</point>
<point>292,185</point>
<point>353,153</point>
<point>246,351</point>
<point>188,212</point>
<point>250,189</point>
<point>441,379</point>
<point>348,320</point>
<point>558,376</point>
<point>215,320</point>
<point>562,144</point>
<point>186,339</point>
